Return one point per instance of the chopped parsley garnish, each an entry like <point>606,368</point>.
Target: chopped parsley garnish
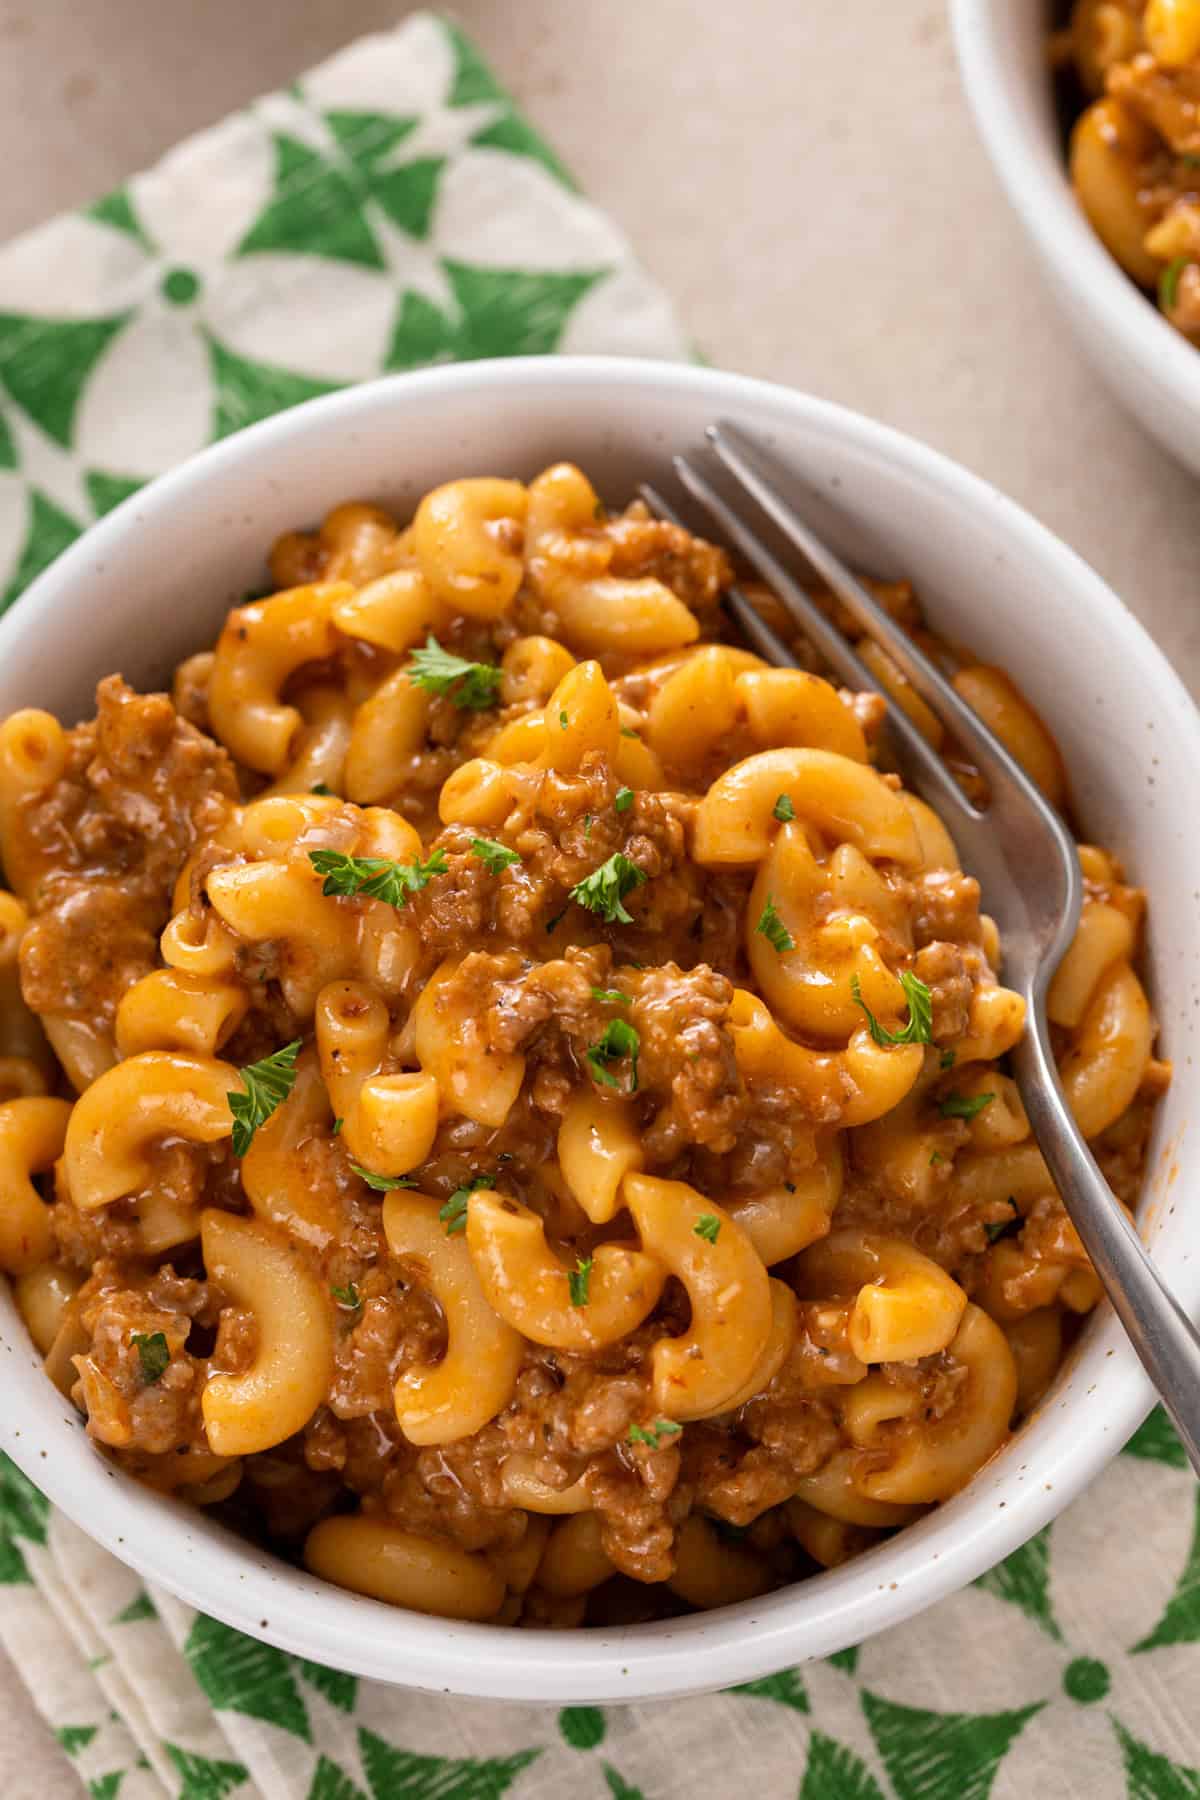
<point>337,1127</point>
<point>604,890</point>
<point>947,1059</point>
<point>620,1040</point>
<point>579,1279</point>
<point>154,1353</point>
<point>348,1297</point>
<point>708,1227</point>
<point>454,1214</point>
<point>494,856</point>
<point>610,996</point>
<point>383,1184</point>
<point>783,809</point>
<point>319,787</point>
<point>556,921</point>
<point>964,1106</point>
<point>626,731</point>
<point>936,1157</point>
<point>790,1186</point>
<point>1005,1227</point>
<point>772,927</point>
<point>587,825</point>
<point>623,800</point>
<point>375,877</point>
<point>650,1434</point>
<point>268,1084</point>
<point>1168,282</point>
<point>473,686</point>
<point>562,721</point>
<point>919,1029</point>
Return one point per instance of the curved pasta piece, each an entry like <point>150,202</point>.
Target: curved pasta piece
<point>479,792</point>
<point>319,753</point>
<point>459,536</point>
<point>699,1373</point>
<point>527,1284</point>
<point>270,1277</point>
<point>694,709</point>
<point>710,1571</point>
<point>281,902</point>
<point>389,1122</point>
<point>260,646</point>
<point>835,915</point>
<point>598,1145</point>
<point>118,1120</point>
<point>930,1459</point>
<point>845,801</point>
<point>1104,1067</point>
<point>172,1010</point>
<point>580,720</point>
<point>371,1555</point>
<point>451,1045</point>
<point>937,846</point>
<point>33,755</point>
<point>388,730</point>
<point>1172,32</point>
<point>21,1035</point>
<point>782,1221</point>
<point>780,1339</point>
<point>275,1181</point>
<point>451,1399</point>
<point>1109,145</point>
<point>834,1491</point>
<point>533,667</point>
<point>1006,712</point>
<point>395,612</point>
<point>906,1305</point>
<point>634,616</point>
<point>524,1488</point>
<point>789,707</point>
<point>32,1134</point>
<point>43,1294</point>
<point>575,1560</point>
<point>1105,936</point>
<point>854,1086</point>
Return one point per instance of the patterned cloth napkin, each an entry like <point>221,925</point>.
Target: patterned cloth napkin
<point>390,210</point>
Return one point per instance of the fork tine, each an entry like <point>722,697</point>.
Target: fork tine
<point>752,625</point>
<point>929,771</point>
<point>739,456</point>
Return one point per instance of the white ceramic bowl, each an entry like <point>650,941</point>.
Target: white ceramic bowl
<point>151,583</point>
<point>1149,367</point>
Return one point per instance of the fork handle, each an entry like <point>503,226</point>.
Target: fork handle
<point>1163,1336</point>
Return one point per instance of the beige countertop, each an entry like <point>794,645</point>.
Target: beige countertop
<point>805,181</point>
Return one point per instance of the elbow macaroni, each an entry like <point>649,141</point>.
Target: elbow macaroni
<point>466,1194</point>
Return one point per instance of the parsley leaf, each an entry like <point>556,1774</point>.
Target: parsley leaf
<point>1168,282</point>
<point>650,1434</point>
<point>623,799</point>
<point>947,1059</point>
<point>620,1039</point>
<point>375,877</point>
<point>348,1297</point>
<point>919,1029</point>
<point>783,809</point>
<point>471,686</point>
<point>337,1127</point>
<point>772,927</point>
<point>383,1184</point>
<point>935,1156</point>
<point>708,1227</point>
<point>1005,1227</point>
<point>494,856</point>
<point>268,1084</point>
<point>454,1214</point>
<point>562,721</point>
<point>604,890</point>
<point>319,787</point>
<point>579,1279</point>
<point>154,1353</point>
<point>960,1106</point>
<point>613,996</point>
<point>627,731</point>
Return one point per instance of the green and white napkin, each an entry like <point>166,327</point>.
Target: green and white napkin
<point>391,210</point>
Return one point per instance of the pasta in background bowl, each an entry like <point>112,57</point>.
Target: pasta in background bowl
<point>326,1100</point>
<point>1004,54</point>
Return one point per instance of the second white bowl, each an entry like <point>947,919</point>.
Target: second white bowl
<point>1149,367</point>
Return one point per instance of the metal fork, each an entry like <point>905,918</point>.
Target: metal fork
<point>1023,856</point>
